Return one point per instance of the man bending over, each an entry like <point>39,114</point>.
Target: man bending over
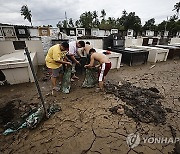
<point>105,65</point>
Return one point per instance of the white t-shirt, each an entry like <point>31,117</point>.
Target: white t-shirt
<point>72,48</point>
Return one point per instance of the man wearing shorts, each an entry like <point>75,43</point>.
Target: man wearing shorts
<point>73,52</point>
<point>105,65</point>
<point>54,59</point>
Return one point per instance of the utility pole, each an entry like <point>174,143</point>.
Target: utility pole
<point>165,25</point>
<point>66,19</point>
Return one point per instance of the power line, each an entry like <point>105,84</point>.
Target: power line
<point>52,19</point>
<point>47,19</point>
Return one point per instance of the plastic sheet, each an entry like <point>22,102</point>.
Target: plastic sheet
<point>31,120</point>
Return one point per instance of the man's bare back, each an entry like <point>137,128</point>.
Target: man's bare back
<point>105,65</point>
<point>100,57</point>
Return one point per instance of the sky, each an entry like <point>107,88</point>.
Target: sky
<point>49,12</point>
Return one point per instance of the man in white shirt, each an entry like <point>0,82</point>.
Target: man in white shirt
<point>73,51</point>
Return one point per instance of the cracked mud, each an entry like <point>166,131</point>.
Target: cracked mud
<point>85,124</point>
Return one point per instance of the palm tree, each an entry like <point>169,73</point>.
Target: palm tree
<point>177,8</point>
<point>95,19</point>
<point>26,13</point>
<point>124,13</point>
<point>103,14</point>
<point>71,24</point>
<point>94,13</point>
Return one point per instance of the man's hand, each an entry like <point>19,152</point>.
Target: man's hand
<point>85,66</point>
<point>77,62</point>
<point>97,66</point>
<point>68,63</point>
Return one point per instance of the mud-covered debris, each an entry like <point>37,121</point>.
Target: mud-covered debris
<point>173,131</point>
<point>117,109</point>
<point>4,117</point>
<point>31,120</point>
<point>13,110</point>
<point>153,89</point>
<point>142,104</point>
<point>177,148</point>
<point>169,110</point>
<point>45,78</point>
<point>152,66</point>
<point>46,74</point>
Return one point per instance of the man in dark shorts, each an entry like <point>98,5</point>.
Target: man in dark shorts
<point>55,58</point>
<point>105,65</point>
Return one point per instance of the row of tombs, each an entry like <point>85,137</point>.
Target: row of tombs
<point>15,69</point>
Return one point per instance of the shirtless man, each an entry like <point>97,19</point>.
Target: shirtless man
<point>87,48</point>
<point>105,65</point>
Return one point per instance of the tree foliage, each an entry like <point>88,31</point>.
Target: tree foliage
<point>150,25</point>
<point>71,24</point>
<point>131,21</point>
<point>177,8</point>
<point>126,21</point>
<point>26,13</point>
<point>103,14</point>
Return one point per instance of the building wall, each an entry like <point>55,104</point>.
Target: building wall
<point>175,40</point>
<point>7,47</point>
<point>33,32</point>
<point>36,46</point>
<point>96,43</point>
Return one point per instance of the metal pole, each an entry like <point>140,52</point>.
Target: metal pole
<point>36,81</point>
<point>66,19</point>
<point>165,27</point>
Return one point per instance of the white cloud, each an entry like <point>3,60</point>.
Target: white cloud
<point>48,12</point>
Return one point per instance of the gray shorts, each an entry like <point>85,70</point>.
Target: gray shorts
<point>56,72</point>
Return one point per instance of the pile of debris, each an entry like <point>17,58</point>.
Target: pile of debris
<point>17,114</point>
<point>14,109</point>
<point>141,104</point>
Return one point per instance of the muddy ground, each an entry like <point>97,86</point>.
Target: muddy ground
<point>85,124</point>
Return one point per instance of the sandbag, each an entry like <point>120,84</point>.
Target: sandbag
<point>66,82</point>
<point>91,77</point>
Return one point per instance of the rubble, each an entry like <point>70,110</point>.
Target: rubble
<point>141,104</point>
<point>17,114</point>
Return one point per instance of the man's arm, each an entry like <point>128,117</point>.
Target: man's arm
<point>71,53</point>
<point>63,62</point>
<point>91,62</point>
<point>74,59</point>
<point>78,52</point>
<point>58,58</point>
